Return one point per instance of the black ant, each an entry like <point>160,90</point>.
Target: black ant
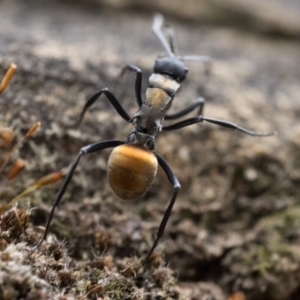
<point>133,163</point>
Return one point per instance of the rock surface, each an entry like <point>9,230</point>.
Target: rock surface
<point>235,226</point>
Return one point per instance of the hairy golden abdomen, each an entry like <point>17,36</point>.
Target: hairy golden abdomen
<point>131,171</point>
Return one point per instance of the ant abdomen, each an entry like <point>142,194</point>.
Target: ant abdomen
<point>131,170</point>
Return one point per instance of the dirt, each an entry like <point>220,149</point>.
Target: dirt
<point>234,227</point>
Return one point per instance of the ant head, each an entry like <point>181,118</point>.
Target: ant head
<point>171,66</point>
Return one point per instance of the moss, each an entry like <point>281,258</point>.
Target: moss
<point>272,258</point>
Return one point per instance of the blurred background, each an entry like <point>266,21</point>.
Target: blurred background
<point>235,226</point>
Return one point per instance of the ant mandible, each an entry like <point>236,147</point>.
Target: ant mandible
<point>133,162</point>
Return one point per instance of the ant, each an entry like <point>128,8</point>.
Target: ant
<point>133,163</point>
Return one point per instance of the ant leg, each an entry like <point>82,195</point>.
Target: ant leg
<point>138,81</point>
<point>156,28</point>
<point>199,103</point>
<point>176,186</point>
<point>223,123</point>
<point>111,98</point>
<point>84,150</point>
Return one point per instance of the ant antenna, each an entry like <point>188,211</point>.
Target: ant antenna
<point>172,47</point>
<point>172,39</point>
<point>156,28</point>
<point>202,58</point>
